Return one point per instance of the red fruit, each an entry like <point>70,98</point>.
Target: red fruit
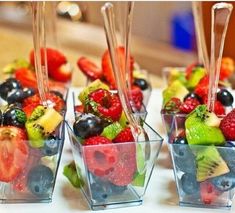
<point>90,69</point>
<point>189,70</point>
<point>79,109</point>
<point>124,136</point>
<point>125,167</point>
<point>173,105</point>
<point>227,68</point>
<point>189,105</point>
<point>208,192</point>
<point>104,104</point>
<point>28,109</point>
<point>107,66</point>
<point>202,88</point>
<point>218,109</point>
<point>14,152</point>
<point>137,97</point>
<point>55,59</point>
<point>58,102</point>
<point>227,125</point>
<point>101,156</point>
<point>26,77</point>
<point>62,74</point>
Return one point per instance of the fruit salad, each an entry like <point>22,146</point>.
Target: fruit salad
<point>203,150</point>
<point>31,141</point>
<point>112,169</point>
<point>59,70</point>
<point>187,90</point>
<point>141,87</point>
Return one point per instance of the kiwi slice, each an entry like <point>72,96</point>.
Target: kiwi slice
<point>97,84</point>
<point>112,130</point>
<point>210,163</point>
<point>41,123</point>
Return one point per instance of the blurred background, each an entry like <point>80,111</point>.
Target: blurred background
<point>162,34</point>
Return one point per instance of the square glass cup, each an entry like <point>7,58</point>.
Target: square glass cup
<point>115,175</point>
<point>214,192</point>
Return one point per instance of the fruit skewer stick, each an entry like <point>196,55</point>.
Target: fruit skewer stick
<point>125,22</point>
<point>220,15</point>
<point>200,35</point>
<point>108,16</point>
<point>39,41</point>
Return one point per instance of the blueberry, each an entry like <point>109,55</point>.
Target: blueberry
<point>180,140</point>
<point>141,83</point>
<point>12,83</point>
<point>225,97</point>
<point>1,117</point>
<point>28,92</point>
<point>117,189</point>
<point>193,95</point>
<point>100,191</point>
<point>183,157</point>
<point>4,90</point>
<point>40,180</point>
<point>228,154</point>
<point>87,125</point>
<point>189,184</point>
<point>15,95</point>
<point>224,182</point>
<point>51,146</point>
<point>14,116</point>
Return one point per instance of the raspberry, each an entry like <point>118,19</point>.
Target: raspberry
<point>137,97</point>
<point>218,109</point>
<point>125,168</point>
<point>189,105</point>
<point>104,104</point>
<point>124,136</point>
<point>100,155</point>
<point>173,105</point>
<point>227,125</point>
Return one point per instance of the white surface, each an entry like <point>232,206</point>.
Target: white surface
<point>161,195</point>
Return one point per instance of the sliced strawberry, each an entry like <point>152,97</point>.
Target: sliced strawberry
<point>107,66</point>
<point>90,69</point>
<point>59,103</point>
<point>62,74</point>
<point>14,152</point>
<point>28,109</point>
<point>189,70</point>
<point>79,109</point>
<point>26,77</point>
<point>202,87</point>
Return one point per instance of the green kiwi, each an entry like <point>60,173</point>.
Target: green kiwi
<point>210,164</point>
<point>112,130</point>
<point>197,74</point>
<point>41,123</point>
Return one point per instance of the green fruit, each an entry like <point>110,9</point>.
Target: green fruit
<point>40,124</point>
<point>210,164</point>
<point>139,179</point>
<point>123,120</point>
<point>97,84</point>
<point>175,89</point>
<point>140,158</point>
<point>197,130</point>
<point>175,74</point>
<point>197,74</point>
<point>112,130</point>
<point>19,63</point>
<point>73,174</point>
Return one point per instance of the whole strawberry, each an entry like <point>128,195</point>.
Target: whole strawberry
<point>189,105</point>
<point>227,125</point>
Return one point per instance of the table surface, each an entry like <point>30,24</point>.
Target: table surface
<point>161,195</point>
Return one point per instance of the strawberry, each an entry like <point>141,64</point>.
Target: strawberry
<point>62,74</point>
<point>14,152</point>
<point>58,102</point>
<point>173,105</point>
<point>227,68</point>
<point>54,59</point>
<point>202,88</point>
<point>124,136</point>
<point>28,109</point>
<point>189,70</point>
<point>125,168</point>
<point>26,77</point>
<point>227,125</point>
<point>90,69</point>
<point>107,66</point>
<point>79,108</point>
<point>100,155</point>
<point>208,192</point>
<point>189,105</point>
<point>218,108</point>
<point>137,97</point>
<point>104,104</point>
